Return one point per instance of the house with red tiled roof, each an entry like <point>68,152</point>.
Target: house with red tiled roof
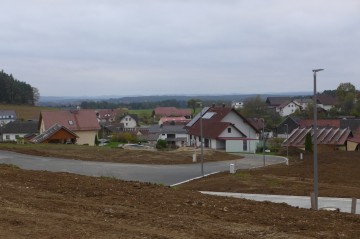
<point>173,121</point>
<point>223,128</point>
<point>160,112</point>
<point>82,122</point>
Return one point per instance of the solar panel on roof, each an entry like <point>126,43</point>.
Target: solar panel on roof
<point>193,121</point>
<point>208,115</point>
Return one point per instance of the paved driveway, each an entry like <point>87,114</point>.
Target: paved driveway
<point>164,174</point>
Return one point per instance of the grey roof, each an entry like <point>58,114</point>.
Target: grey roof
<point>167,129</point>
<point>276,101</point>
<point>21,127</point>
<point>8,113</point>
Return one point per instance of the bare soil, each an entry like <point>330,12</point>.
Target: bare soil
<point>118,155</point>
<point>338,176</point>
<point>38,204</point>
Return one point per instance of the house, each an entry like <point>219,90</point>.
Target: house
<point>223,128</point>
<point>83,123</point>
<point>7,116</point>
<point>325,102</point>
<point>175,135</point>
<point>273,102</point>
<point>332,137</point>
<point>105,115</point>
<point>237,105</point>
<point>56,134</point>
<point>287,108</point>
<point>130,121</point>
<point>284,129</point>
<point>173,121</point>
<point>18,129</point>
<point>160,112</point>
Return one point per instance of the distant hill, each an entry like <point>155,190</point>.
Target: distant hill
<point>49,100</point>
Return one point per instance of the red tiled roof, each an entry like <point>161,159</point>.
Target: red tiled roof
<point>320,123</point>
<point>171,111</point>
<point>76,120</point>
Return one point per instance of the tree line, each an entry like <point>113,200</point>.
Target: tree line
<point>13,91</point>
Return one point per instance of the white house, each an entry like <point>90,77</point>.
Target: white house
<point>129,121</point>
<point>18,129</point>
<point>288,108</point>
<point>175,135</point>
<point>223,128</point>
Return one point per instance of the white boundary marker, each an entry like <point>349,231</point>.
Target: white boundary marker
<point>176,184</point>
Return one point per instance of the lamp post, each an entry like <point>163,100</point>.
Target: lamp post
<point>287,144</point>
<point>201,140</point>
<point>316,188</point>
<point>263,136</point>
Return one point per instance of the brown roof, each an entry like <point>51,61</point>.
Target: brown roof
<point>320,123</point>
<point>75,120</point>
<point>326,136</point>
<point>326,99</point>
<point>171,111</point>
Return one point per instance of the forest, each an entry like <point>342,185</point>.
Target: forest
<point>14,91</point>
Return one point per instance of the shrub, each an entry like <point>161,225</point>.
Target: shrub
<point>161,144</point>
<point>308,142</point>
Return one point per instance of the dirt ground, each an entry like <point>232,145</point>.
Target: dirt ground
<point>36,204</point>
<point>118,155</point>
<point>338,171</point>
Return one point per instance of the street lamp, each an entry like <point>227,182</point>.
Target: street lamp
<point>316,188</point>
<point>263,136</point>
<point>287,144</point>
<point>201,139</point>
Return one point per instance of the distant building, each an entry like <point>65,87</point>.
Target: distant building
<point>7,116</point>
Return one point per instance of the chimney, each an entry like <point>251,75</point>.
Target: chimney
<point>223,105</point>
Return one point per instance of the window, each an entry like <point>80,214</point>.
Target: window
<point>17,136</point>
<point>244,145</point>
<point>229,130</point>
<point>7,137</point>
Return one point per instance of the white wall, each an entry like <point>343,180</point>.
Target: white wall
<point>128,122</point>
<point>289,109</point>
<point>12,137</point>
<point>245,128</point>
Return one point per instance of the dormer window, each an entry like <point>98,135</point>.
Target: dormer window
<point>71,122</point>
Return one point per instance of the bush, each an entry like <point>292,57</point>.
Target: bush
<point>124,138</point>
<point>161,144</point>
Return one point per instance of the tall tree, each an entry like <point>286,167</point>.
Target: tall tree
<point>193,104</point>
<point>345,96</point>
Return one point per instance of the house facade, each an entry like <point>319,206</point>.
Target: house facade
<point>223,128</point>
<point>287,108</point>
<point>83,123</point>
<point>129,121</point>
<point>15,130</point>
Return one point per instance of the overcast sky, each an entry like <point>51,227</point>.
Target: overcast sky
<point>158,47</point>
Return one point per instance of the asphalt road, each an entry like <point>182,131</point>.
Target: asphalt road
<point>161,174</point>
